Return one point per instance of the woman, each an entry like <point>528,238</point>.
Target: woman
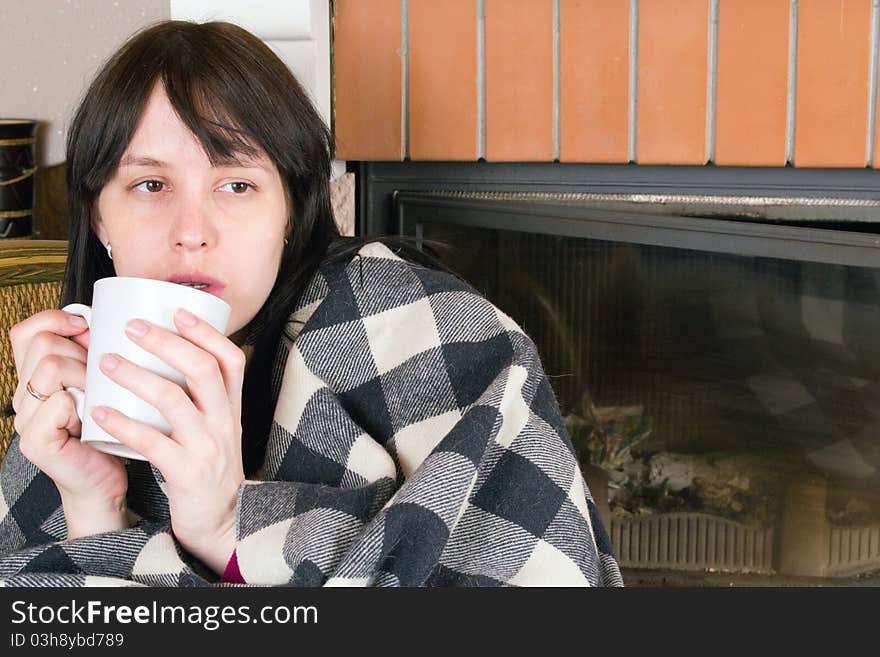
<point>388,426</point>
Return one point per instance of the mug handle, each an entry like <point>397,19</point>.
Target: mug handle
<point>79,395</point>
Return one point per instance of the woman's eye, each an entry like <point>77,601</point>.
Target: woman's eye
<point>151,186</point>
<point>236,187</point>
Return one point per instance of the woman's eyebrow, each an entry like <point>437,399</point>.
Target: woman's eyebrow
<point>244,162</point>
<point>140,161</point>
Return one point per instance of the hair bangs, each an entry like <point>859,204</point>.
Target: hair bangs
<point>218,124</point>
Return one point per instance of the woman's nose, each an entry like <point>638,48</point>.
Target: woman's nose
<point>194,226</point>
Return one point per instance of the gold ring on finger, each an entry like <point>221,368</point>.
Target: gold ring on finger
<point>35,394</point>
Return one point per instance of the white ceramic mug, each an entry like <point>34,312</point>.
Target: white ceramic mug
<point>115,301</point>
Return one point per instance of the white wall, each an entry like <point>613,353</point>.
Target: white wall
<point>51,49</point>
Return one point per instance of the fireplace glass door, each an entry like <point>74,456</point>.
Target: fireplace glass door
<point>719,379</point>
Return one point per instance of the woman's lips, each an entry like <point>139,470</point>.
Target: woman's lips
<point>216,290</point>
<point>214,286</point>
<point>213,289</point>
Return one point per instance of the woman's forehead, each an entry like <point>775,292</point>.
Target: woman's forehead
<point>162,139</point>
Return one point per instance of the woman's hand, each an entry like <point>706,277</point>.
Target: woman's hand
<point>92,485</point>
<point>201,461</point>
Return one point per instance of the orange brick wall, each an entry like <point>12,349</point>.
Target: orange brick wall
<point>753,53</point>
<point>726,82</point>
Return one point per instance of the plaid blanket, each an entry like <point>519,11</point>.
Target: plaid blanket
<point>416,442</point>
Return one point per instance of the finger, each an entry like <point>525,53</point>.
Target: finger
<point>83,339</point>
<point>168,397</point>
<point>52,374</point>
<point>47,431</point>
<point>48,344</point>
<point>43,345</point>
<point>153,445</point>
<point>199,366</point>
<point>51,321</point>
<point>230,358</point>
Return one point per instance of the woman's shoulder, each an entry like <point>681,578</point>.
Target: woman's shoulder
<point>390,266</point>
<point>380,286</point>
<point>382,278</point>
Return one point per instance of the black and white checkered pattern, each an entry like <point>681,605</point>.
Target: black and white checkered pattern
<point>731,355</point>
<point>416,441</point>
<point>793,352</point>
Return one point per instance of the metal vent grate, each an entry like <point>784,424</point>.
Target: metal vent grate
<point>692,541</point>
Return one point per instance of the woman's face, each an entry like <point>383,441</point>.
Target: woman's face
<point>170,215</point>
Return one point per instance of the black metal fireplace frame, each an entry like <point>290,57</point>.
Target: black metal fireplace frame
<point>378,183</point>
<point>414,210</point>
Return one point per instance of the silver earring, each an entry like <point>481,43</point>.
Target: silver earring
<point>285,241</point>
<point>109,251</point>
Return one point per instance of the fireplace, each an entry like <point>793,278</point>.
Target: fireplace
<point>710,336</point>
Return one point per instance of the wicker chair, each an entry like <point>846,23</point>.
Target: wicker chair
<point>30,281</point>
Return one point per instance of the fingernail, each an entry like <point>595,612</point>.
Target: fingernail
<point>137,328</point>
<point>109,362</point>
<point>186,318</point>
<point>99,414</point>
<point>78,321</point>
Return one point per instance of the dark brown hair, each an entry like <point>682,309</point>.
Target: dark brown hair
<point>234,94</point>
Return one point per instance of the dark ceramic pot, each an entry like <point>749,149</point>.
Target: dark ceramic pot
<point>17,170</point>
